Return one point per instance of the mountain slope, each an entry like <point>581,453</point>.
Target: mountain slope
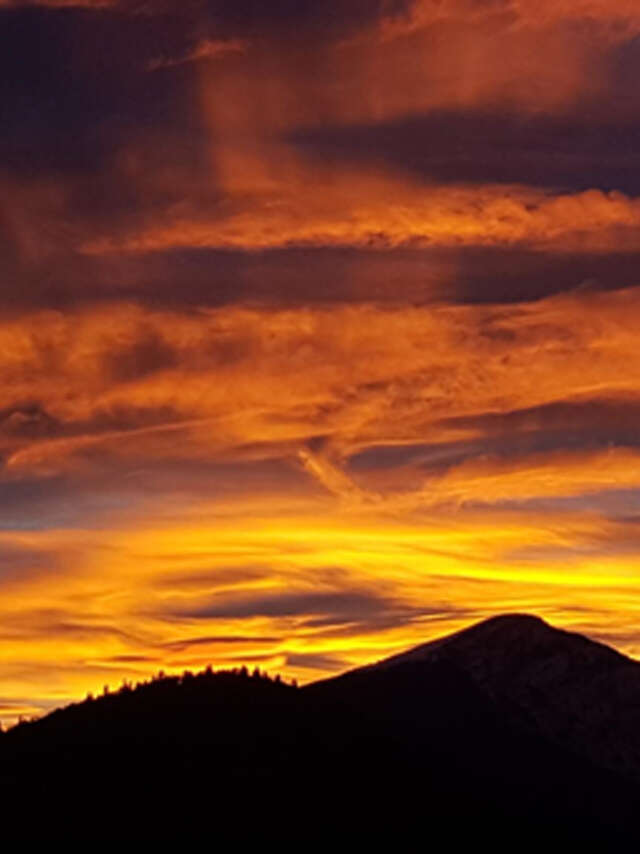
<point>578,693</point>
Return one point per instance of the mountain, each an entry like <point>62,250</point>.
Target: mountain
<point>578,693</point>
<point>509,733</point>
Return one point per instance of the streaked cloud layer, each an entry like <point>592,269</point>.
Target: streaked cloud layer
<point>318,334</point>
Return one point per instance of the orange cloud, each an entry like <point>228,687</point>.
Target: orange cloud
<point>457,61</point>
<point>512,14</point>
<point>386,214</point>
<point>357,374</point>
<point>556,475</point>
<point>260,191</point>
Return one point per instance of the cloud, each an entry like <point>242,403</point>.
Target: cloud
<point>218,640</point>
<point>128,382</point>
<point>307,17</point>
<point>21,561</point>
<point>332,477</point>
<point>621,16</point>
<point>338,612</point>
<point>323,663</point>
<point>419,217</point>
<point>388,18</point>
<point>207,580</point>
<point>210,154</point>
<point>604,418</point>
<point>204,49</point>
<point>340,607</point>
<point>571,151</point>
<point>562,474</point>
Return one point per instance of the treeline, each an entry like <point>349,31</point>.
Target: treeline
<point>208,675</point>
<point>162,686</point>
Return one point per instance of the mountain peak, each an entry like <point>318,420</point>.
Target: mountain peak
<point>573,690</point>
<point>502,630</point>
<point>516,619</point>
<point>506,625</point>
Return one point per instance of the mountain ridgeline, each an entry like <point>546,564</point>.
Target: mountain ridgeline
<point>509,732</point>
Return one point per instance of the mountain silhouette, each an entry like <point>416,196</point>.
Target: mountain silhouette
<point>511,733</point>
<point>576,692</point>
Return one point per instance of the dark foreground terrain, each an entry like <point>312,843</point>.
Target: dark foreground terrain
<point>511,733</point>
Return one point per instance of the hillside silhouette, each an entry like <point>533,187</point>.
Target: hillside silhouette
<point>509,733</point>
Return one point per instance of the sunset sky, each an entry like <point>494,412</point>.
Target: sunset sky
<point>319,331</point>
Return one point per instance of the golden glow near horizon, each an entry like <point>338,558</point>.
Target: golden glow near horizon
<point>320,343</point>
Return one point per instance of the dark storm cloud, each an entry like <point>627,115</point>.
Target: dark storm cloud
<point>210,277</point>
<point>612,419</point>
<point>339,18</point>
<point>507,275</point>
<point>73,82</point>
<point>82,500</point>
<point>213,277</point>
<point>340,613</point>
<point>90,139</point>
<point>80,75</point>
<point>342,606</point>
<point>57,502</point>
<point>588,425</point>
<point>94,142</point>
<point>568,152</point>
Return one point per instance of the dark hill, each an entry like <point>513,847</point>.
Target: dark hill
<point>471,738</point>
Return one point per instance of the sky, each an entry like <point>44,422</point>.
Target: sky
<point>318,331</point>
